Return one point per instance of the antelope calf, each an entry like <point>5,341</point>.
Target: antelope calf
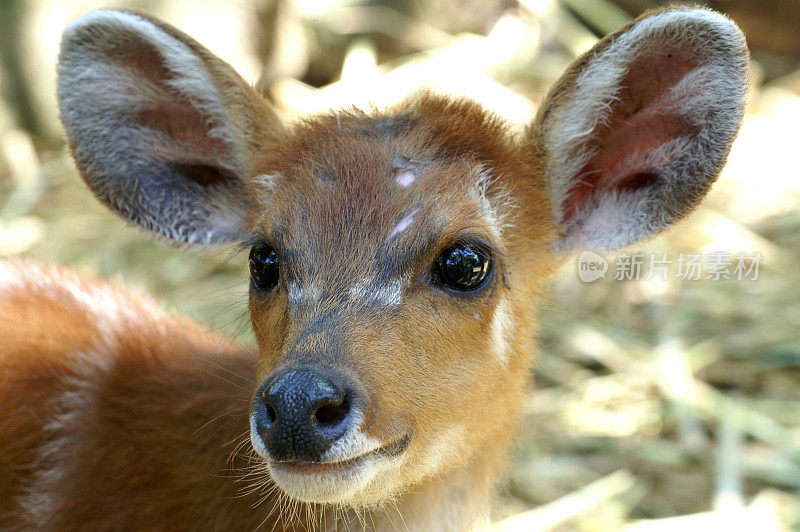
<point>395,260</point>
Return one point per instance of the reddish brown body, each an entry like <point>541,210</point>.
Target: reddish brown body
<point>396,260</point>
<point>125,422</point>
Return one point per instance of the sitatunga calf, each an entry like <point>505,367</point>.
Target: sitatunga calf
<point>396,259</point>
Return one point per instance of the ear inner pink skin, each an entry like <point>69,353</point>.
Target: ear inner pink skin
<point>643,117</point>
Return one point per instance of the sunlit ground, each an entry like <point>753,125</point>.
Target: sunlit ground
<point>655,405</point>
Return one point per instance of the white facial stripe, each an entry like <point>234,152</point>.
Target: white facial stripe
<point>368,291</point>
<point>502,322</point>
<point>485,207</point>
<point>404,224</point>
<point>301,294</point>
<point>391,294</point>
<point>295,293</point>
<point>360,289</point>
<point>314,292</point>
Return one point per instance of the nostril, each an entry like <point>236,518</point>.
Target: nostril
<point>272,414</point>
<point>332,412</point>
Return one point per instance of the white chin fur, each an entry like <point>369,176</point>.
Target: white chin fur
<point>351,483</point>
<point>333,486</point>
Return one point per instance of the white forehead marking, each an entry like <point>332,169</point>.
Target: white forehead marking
<point>405,177</point>
<point>404,224</point>
<point>502,321</point>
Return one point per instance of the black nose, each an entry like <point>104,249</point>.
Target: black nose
<point>300,413</point>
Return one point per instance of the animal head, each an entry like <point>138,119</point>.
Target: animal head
<point>395,255</point>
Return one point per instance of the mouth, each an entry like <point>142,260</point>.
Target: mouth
<point>390,450</point>
<point>339,480</point>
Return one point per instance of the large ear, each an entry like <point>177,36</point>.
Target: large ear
<point>639,127</point>
<point>163,132</point>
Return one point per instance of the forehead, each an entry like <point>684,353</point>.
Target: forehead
<point>360,188</point>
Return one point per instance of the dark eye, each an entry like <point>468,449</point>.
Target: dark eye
<point>462,267</point>
<point>263,266</point>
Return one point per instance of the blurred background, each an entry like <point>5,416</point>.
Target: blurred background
<point>656,404</point>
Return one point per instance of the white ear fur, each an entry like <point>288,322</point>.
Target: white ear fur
<point>155,125</point>
<point>701,110</point>
<point>191,77</point>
